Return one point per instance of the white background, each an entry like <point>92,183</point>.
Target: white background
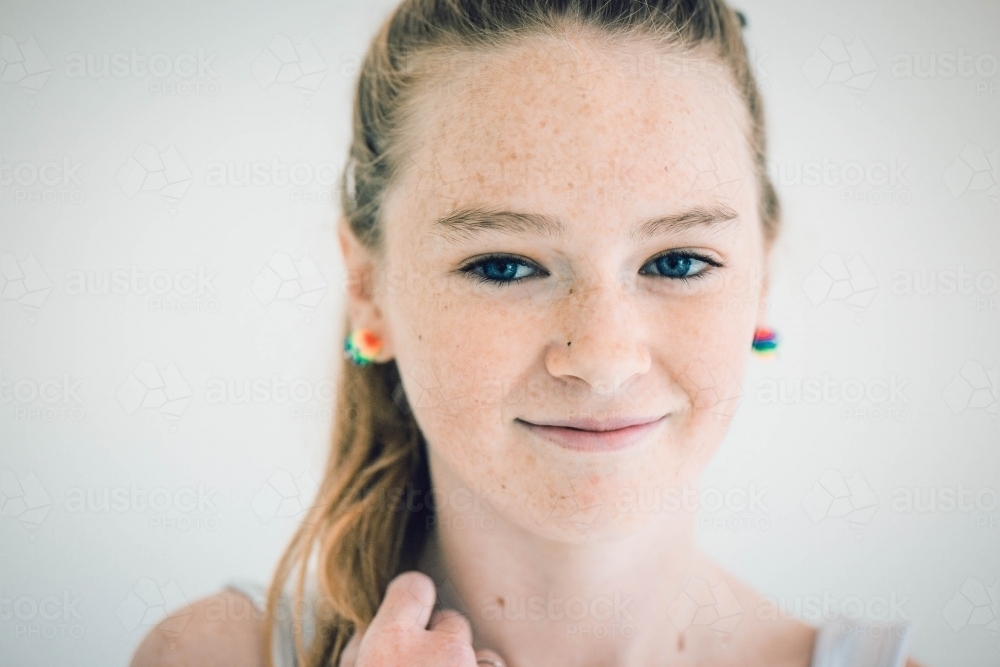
<point>72,576</point>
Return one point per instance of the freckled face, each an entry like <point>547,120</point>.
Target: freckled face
<point>505,321</point>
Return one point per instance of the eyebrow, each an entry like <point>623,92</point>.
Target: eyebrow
<point>698,216</point>
<point>468,222</point>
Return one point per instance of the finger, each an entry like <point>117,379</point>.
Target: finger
<point>487,655</point>
<point>452,622</point>
<point>409,600</point>
<point>350,653</point>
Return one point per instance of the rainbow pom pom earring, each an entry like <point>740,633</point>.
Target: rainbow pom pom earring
<point>362,346</point>
<point>765,341</point>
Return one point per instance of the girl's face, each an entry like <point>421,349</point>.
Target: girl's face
<point>575,240</point>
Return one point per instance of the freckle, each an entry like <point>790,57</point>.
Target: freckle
<point>680,642</point>
<point>500,601</point>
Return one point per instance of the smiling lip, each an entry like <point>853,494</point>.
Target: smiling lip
<point>595,436</point>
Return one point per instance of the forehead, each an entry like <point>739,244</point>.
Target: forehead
<point>575,126</point>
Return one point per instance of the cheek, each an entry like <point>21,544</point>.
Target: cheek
<point>709,353</point>
<point>705,354</point>
<point>460,357</point>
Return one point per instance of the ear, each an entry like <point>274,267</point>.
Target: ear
<point>364,309</point>
<point>765,286</point>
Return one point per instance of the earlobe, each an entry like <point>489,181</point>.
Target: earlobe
<point>763,297</point>
<point>354,259</point>
<point>764,300</point>
<point>364,313</point>
<point>357,264</point>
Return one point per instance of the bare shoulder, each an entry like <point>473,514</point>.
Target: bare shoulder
<point>220,630</point>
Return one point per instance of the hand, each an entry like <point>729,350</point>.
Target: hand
<point>404,633</point>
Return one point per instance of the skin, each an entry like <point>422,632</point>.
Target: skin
<point>595,330</point>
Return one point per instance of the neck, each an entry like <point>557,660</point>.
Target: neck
<point>539,601</point>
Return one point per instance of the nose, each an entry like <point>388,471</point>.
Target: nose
<point>603,343</point>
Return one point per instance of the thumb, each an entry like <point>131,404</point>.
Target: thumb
<point>350,653</point>
<point>408,603</point>
<point>489,658</point>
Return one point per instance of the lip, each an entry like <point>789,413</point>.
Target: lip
<point>595,436</point>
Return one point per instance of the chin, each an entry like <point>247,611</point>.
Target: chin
<point>590,500</point>
<point>583,525</point>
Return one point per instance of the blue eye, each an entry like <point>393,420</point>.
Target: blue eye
<point>499,269</point>
<point>682,265</point>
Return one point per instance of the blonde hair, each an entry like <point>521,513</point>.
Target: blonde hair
<point>358,540</point>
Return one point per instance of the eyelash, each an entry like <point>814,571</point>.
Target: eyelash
<point>710,264</point>
<point>470,269</point>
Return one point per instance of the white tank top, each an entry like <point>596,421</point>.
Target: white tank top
<point>838,643</point>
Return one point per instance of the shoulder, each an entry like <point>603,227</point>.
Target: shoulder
<point>220,630</point>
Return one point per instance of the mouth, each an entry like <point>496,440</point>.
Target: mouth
<point>595,436</point>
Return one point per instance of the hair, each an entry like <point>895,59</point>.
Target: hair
<point>378,452</point>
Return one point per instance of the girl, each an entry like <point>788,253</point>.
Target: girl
<point>549,208</point>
